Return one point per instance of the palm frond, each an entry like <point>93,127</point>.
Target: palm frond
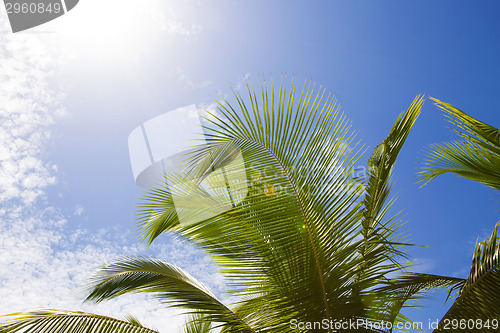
<point>381,164</point>
<point>169,283</point>
<point>379,242</point>
<point>476,157</point>
<point>197,323</point>
<point>291,246</point>
<point>478,297</point>
<point>411,287</point>
<point>58,321</point>
<point>288,234</point>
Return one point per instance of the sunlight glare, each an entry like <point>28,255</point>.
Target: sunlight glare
<point>111,29</point>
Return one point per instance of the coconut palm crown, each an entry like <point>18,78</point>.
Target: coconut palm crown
<point>311,240</point>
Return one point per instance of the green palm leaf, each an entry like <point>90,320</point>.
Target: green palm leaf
<point>478,298</point>
<point>281,245</point>
<point>133,320</point>
<point>293,251</point>
<point>197,323</point>
<point>169,283</point>
<point>380,243</point>
<point>477,157</point>
<point>406,289</point>
<point>306,240</point>
<point>57,321</point>
<point>381,164</point>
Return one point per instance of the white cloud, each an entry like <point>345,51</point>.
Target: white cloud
<point>195,85</point>
<point>79,209</point>
<point>27,107</point>
<point>242,81</point>
<point>42,267</point>
<point>173,22</point>
<point>423,265</point>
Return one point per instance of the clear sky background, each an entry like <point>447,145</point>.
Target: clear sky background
<point>73,89</point>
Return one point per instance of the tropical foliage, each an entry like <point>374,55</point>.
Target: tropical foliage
<point>46,320</point>
<point>312,238</point>
<point>477,157</point>
<point>477,306</point>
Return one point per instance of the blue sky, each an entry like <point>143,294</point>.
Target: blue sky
<point>72,90</point>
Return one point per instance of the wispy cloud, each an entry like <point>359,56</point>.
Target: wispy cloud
<point>174,23</point>
<point>242,81</point>
<point>44,266</point>
<point>423,265</point>
<point>27,107</point>
<point>189,82</point>
<point>79,209</point>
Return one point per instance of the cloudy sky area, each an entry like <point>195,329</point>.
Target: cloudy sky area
<point>48,250</point>
<point>72,90</point>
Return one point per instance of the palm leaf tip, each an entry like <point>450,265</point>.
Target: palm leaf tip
<point>133,320</point>
<point>381,164</point>
<point>140,274</point>
<point>476,156</point>
<point>468,126</point>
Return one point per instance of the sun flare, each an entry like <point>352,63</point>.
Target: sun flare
<point>111,29</point>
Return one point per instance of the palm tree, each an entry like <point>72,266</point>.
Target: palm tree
<point>477,157</point>
<point>312,241</point>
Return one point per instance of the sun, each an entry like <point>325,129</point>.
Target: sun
<point>112,29</point>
